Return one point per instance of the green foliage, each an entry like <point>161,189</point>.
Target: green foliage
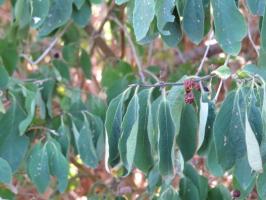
<point>46,121</point>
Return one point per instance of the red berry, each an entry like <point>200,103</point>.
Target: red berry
<point>188,85</point>
<point>196,86</point>
<point>189,98</point>
<point>236,193</point>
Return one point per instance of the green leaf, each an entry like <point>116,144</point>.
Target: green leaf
<point>128,141</point>
<point>163,12</point>
<point>263,33</point>
<point>58,164</point>
<point>96,1</point>
<point>223,72</point>
<point>8,52</point>
<point>203,118</point>
<point>30,103</point>
<point>143,156</point>
<point>39,11</point>
<point>78,3</point>
<point>169,194</point>
<point>153,127</point>
<point>4,78</point>
<point>62,68</point>
<point>261,184</point>
<point>143,15</point>
<point>120,2</point>
<point>5,172</point>
<point>253,149</point>
<point>166,139</point>
<point>70,53</point>
<point>85,64</point>
<point>199,181</point>
<point>227,18</point>
<point>175,35</point>
<point>256,7</point>
<point>12,146</point>
<point>22,13</point>
<point>59,13</point>
<point>114,116</point>
<point>193,22</point>
<point>188,190</point>
<point>38,167</point>
<point>219,193</point>
<point>212,163</point>
<point>176,103</point>
<point>229,130</point>
<point>187,138</point>
<point>86,147</point>
<point>82,15</point>
<point>244,176</point>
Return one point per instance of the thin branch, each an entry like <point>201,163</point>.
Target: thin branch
<point>205,54</point>
<point>137,60</point>
<point>49,48</point>
<point>218,91</point>
<point>164,84</point>
<point>252,41</point>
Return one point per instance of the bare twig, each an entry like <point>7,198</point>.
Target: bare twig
<point>137,60</point>
<point>49,48</point>
<point>205,55</point>
<point>164,84</point>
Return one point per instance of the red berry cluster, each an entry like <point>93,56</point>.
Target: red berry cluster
<point>189,84</point>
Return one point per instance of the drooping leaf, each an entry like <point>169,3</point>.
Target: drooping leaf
<point>38,167</point>
<point>58,164</point>
<point>166,139</point>
<point>5,172</point>
<point>212,163</point>
<point>227,17</point>
<point>143,156</point>
<point>9,55</point>
<point>12,146</point>
<point>143,14</point>
<point>22,13</point>
<point>193,22</point>
<point>229,130</point>
<point>187,138</point>
<point>86,146</point>
<point>163,12</point>
<point>30,103</point>
<point>203,117</point>
<point>78,3</point>
<point>114,116</point>
<point>253,149</point>
<point>128,141</point>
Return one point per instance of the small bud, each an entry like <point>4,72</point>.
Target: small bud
<point>189,98</point>
<point>188,85</point>
<point>56,55</point>
<point>236,193</point>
